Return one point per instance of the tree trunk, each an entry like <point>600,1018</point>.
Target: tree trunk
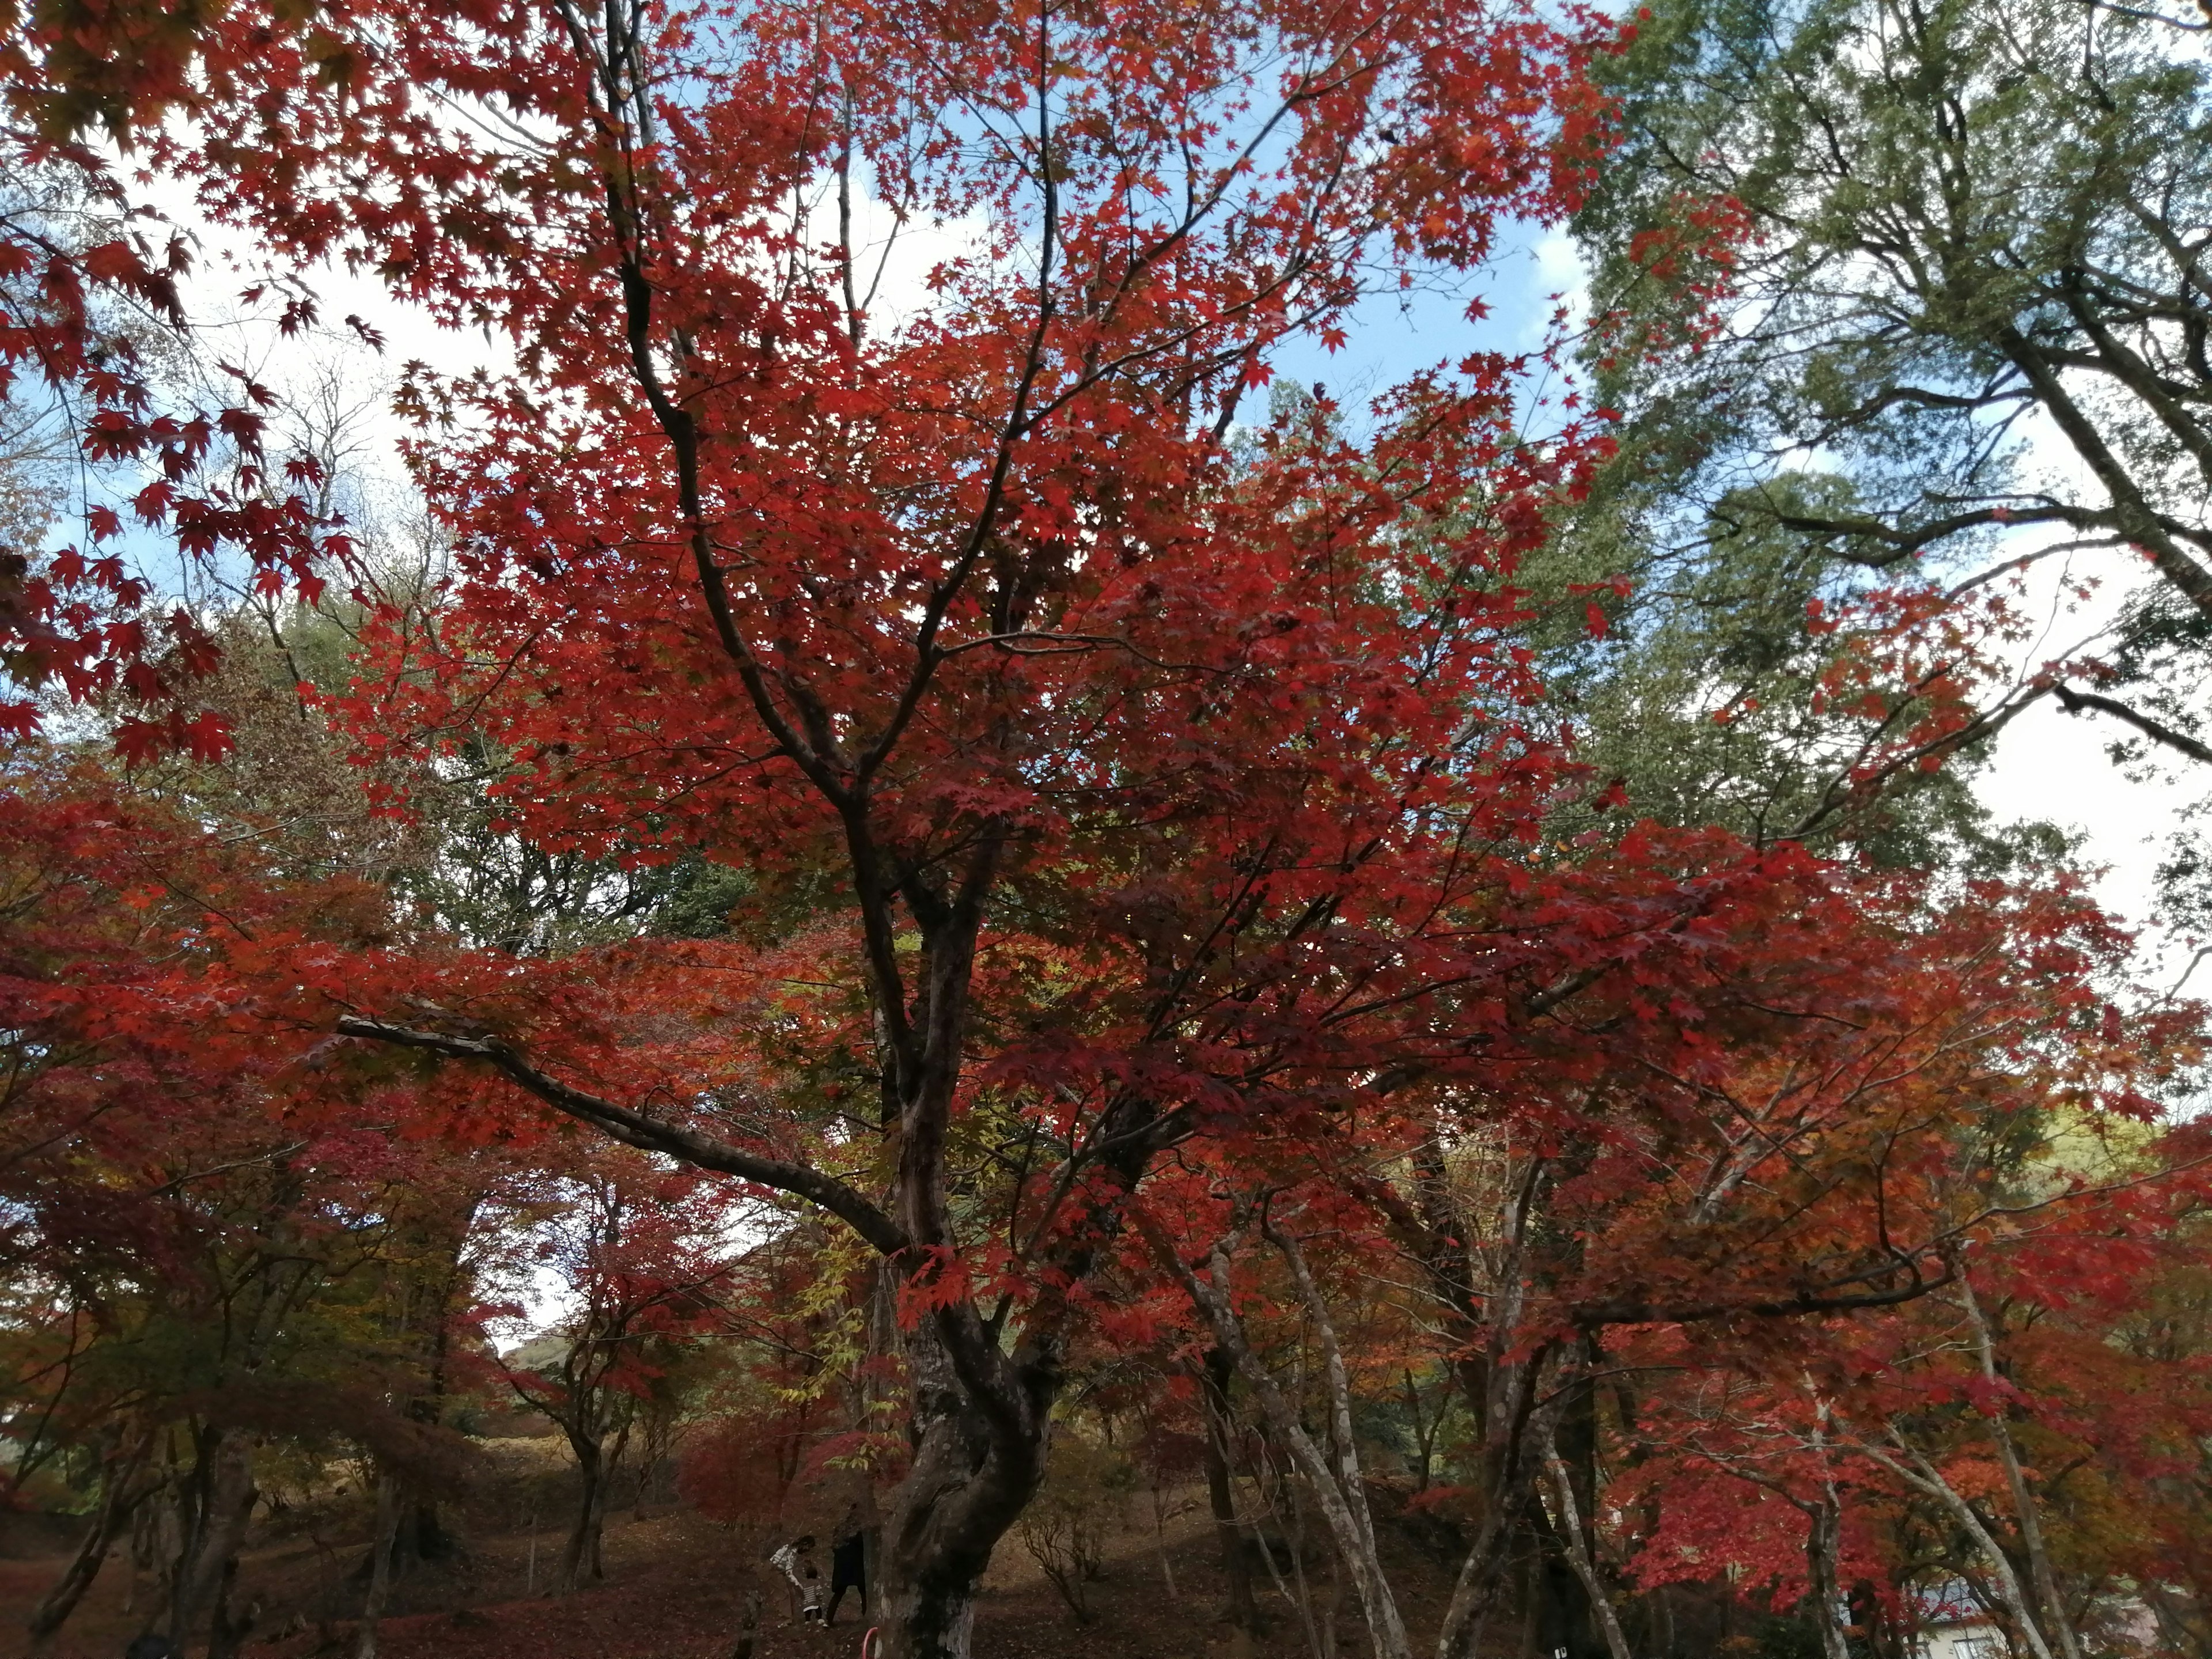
<point>226,1631</point>
<point>596,1563</point>
<point>1427,1427</point>
<point>1235,1543</point>
<point>583,1551</point>
<point>1160,1540</point>
<point>1336,1486</point>
<point>1581,1558</point>
<point>973,1473</point>
<point>1364,1559</point>
<point>2040,1573</point>
<point>381,1544</point>
<point>1821,1547</point>
<point>1824,1546</point>
<point>748,1627</point>
<point>212,1544</point>
<point>423,1534</point>
<point>884,1345</point>
<point>1531,1603</point>
<point>1328,1618</point>
<point>1573,1425</point>
<point>1505,1409</point>
<point>948,1516</point>
<point>1916,1471</point>
<point>1510,1465</point>
<point>1866,1613</point>
<point>121,1493</point>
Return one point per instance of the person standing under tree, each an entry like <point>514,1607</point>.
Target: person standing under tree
<point>795,1561</point>
<point>847,1565</point>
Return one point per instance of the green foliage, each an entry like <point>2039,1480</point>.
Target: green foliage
<point>1705,697</point>
<point>1877,286</point>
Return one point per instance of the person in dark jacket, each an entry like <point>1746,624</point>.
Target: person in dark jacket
<point>849,1569</point>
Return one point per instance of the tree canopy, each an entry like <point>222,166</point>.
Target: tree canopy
<point>913,866</point>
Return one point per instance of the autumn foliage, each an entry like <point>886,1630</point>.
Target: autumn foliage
<point>1145,953</point>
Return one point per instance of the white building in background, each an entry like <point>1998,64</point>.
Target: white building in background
<point>1952,1625</point>
<point>1977,1638</point>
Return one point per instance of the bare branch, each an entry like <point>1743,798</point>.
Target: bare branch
<point>635,1128</point>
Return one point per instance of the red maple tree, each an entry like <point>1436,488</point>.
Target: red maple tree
<point>1166,785</point>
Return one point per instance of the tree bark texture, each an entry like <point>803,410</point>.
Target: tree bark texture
<point>381,1543</point>
<point>212,1543</point>
<point>1230,1536</point>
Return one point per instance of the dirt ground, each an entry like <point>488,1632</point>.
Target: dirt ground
<point>675,1587</point>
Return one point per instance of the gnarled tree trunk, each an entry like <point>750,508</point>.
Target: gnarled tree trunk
<point>580,1559</point>
<point>212,1544</point>
<point>973,1471</point>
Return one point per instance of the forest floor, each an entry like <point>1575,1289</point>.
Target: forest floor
<point>676,1585</point>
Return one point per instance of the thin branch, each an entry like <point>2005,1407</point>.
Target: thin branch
<point>2075,702</point>
<point>635,1128</point>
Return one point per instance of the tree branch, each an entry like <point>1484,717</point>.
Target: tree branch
<point>2075,703</point>
<point>635,1128</point>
